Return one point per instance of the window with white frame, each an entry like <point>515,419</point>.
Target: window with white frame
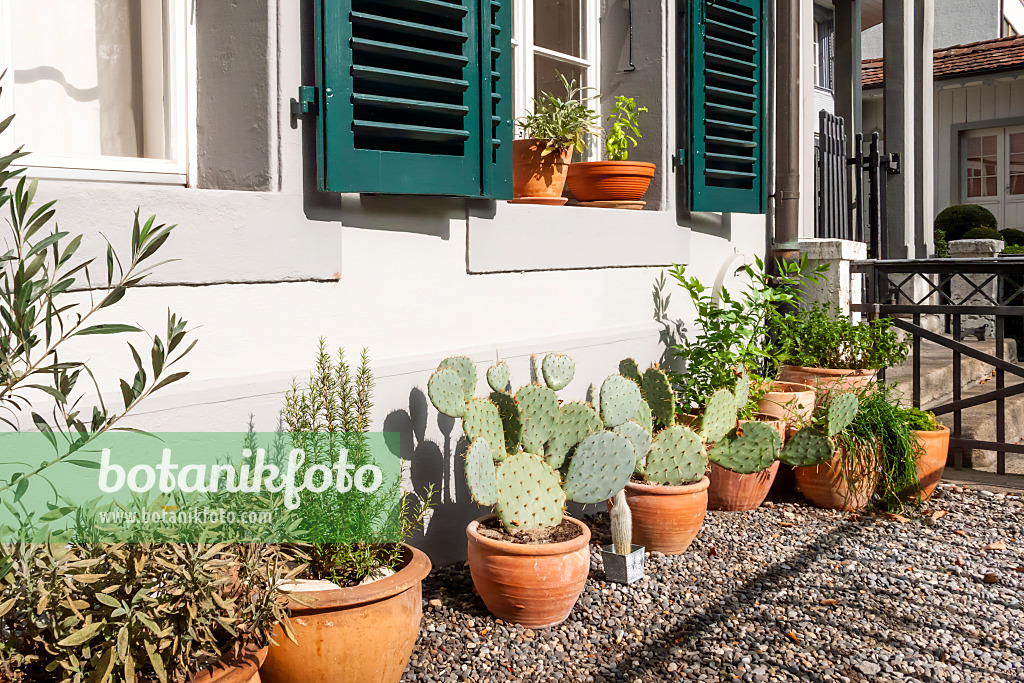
<point>97,86</point>
<point>549,38</point>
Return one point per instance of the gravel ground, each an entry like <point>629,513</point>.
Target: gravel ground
<point>785,593</point>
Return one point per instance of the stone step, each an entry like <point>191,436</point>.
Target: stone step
<point>979,423</point>
<point>937,370</point>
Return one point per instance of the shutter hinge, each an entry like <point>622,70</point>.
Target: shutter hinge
<point>679,160</point>
<point>306,102</point>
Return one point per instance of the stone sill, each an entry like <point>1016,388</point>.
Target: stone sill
<point>503,237</point>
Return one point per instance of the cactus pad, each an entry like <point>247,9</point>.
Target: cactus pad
<point>719,416</point>
<point>498,376</point>
<point>558,370</point>
<point>630,370</point>
<point>807,448</point>
<point>841,412</point>
<point>576,421</point>
<point>677,457</point>
<point>446,393</point>
<point>643,417</point>
<point>600,467</point>
<point>529,493</point>
<point>752,448</point>
<point>467,372</point>
<point>620,399</point>
<point>483,420</point>
<point>640,438</point>
<point>480,476</point>
<point>657,391</point>
<point>539,408</point>
<point>742,391</point>
<point>511,419</point>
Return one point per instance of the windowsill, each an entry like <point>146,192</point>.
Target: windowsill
<point>106,169</point>
<point>503,237</point>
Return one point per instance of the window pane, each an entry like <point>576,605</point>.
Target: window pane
<point>89,78</point>
<point>991,186</point>
<point>545,75</point>
<point>974,187</point>
<point>988,145</point>
<point>558,25</point>
<point>974,147</point>
<point>1017,143</point>
<point>1017,183</point>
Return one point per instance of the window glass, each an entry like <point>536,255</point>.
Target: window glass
<point>558,26</point>
<point>1017,163</point>
<point>545,75</point>
<point>983,166</point>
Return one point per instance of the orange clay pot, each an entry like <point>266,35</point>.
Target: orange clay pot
<point>825,486</point>
<point>666,519</point>
<point>733,492</point>
<point>536,176</point>
<point>363,634</point>
<point>825,378</point>
<point>610,181</point>
<point>241,670</point>
<point>533,585</point>
<point>788,401</point>
<point>932,461</point>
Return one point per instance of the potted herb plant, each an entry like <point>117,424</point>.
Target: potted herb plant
<point>933,441</point>
<point>617,182</point>
<point>358,605</point>
<point>820,347</point>
<point>527,455</point>
<point>557,127</point>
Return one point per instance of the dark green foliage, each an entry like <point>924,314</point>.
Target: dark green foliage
<point>982,234</point>
<point>1012,237</point>
<point>941,244</point>
<point>956,220</point>
<point>821,338</point>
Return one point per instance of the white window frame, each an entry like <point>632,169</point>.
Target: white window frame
<point>179,93</point>
<point>524,50</point>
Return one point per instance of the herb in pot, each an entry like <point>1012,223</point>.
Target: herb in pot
<point>625,130</point>
<point>564,122</point>
<point>820,337</point>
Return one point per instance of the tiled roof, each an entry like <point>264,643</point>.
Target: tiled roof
<point>1001,54</point>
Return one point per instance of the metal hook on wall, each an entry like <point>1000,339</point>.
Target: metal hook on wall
<point>632,66</point>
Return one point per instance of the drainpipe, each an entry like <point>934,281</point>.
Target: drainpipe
<point>787,136</point>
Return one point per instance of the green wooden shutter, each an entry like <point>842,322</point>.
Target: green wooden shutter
<point>725,117</point>
<point>413,96</point>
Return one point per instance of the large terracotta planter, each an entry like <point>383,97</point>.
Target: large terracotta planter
<point>733,492</point>
<point>610,181</point>
<point>536,178</point>
<point>826,378</point>
<point>825,485</point>
<point>932,460</point>
<point>791,402</point>
<point>363,634</point>
<point>533,585</point>
<point>666,519</point>
<point>244,669</point>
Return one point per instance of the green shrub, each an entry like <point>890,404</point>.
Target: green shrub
<point>982,233</point>
<point>1012,237</point>
<point>1014,250</point>
<point>956,220</point>
<point>941,244</point>
<point>823,338</point>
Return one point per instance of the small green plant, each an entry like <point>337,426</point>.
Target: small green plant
<point>1012,237</point>
<point>1014,250</point>
<point>625,130</point>
<point>920,420</point>
<point>821,337</point>
<point>564,122</point>
<point>982,233</point>
<point>941,244</point>
<point>956,220</point>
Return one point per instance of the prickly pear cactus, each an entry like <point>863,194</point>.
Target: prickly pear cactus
<point>657,391</point>
<point>529,493</point>
<point>480,474</point>
<point>498,376</point>
<point>807,448</point>
<point>620,399</point>
<point>719,416</point>
<point>558,370</point>
<point>643,416</point>
<point>641,440</point>
<point>576,421</point>
<point>482,420</point>
<point>601,466</point>
<point>511,419</point>
<point>446,393</point>
<point>539,407</point>
<point>467,373</point>
<point>746,450</point>
<point>630,370</point>
<point>742,391</point>
<point>842,410</point>
<point>677,457</point>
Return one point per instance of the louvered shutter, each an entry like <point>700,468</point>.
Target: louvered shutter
<point>725,117</point>
<point>414,96</point>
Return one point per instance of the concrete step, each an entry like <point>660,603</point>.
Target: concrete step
<point>937,370</point>
<point>979,423</point>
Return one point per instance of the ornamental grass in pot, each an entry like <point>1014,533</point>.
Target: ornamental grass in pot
<point>527,456</point>
<point>557,127</point>
<point>618,179</point>
<point>356,607</point>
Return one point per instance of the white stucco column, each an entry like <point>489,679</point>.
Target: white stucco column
<point>924,133</point>
<point>839,286</point>
<point>899,69</point>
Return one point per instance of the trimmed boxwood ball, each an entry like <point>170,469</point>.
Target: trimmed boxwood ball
<point>956,220</point>
<point>982,234</point>
<point>1012,237</point>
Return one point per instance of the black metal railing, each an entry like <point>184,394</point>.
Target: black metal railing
<point>985,290</point>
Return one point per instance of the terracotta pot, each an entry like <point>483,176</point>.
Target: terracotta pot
<point>825,485</point>
<point>363,634</point>
<point>667,518</point>
<point>932,461</point>
<point>533,585</point>
<point>536,176</point>
<point>824,378</point>
<point>733,492</point>
<point>244,669</point>
<point>610,181</point>
<point>790,402</point>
